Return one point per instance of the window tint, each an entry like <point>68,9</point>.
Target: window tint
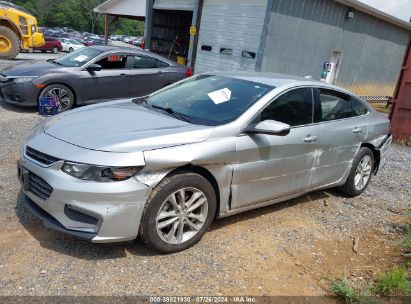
<point>113,62</point>
<point>334,105</point>
<point>145,62</point>
<point>358,108</point>
<point>294,108</point>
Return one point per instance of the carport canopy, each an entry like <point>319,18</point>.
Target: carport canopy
<point>131,9</point>
<point>134,9</point>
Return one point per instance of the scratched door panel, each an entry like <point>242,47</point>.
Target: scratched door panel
<point>270,166</point>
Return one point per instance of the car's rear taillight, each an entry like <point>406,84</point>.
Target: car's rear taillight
<point>189,72</point>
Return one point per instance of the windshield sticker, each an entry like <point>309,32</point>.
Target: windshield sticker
<point>81,58</point>
<point>220,96</point>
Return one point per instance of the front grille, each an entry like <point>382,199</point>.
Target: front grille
<point>77,216</point>
<point>39,187</point>
<point>40,156</point>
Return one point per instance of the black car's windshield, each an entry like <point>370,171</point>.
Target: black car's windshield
<point>209,99</point>
<point>78,58</point>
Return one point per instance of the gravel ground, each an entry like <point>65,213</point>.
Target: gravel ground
<point>292,248</point>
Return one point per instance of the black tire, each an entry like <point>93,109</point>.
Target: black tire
<point>349,188</point>
<point>71,50</point>
<point>43,51</point>
<point>55,50</point>
<point>9,37</point>
<point>67,104</point>
<point>148,229</point>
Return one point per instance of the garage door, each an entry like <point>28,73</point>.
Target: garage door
<point>229,35</point>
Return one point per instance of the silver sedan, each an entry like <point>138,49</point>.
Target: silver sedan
<point>163,166</point>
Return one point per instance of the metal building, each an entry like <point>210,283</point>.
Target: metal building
<point>342,41</point>
<point>345,41</point>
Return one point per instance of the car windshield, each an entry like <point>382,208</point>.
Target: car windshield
<point>209,99</point>
<point>78,58</point>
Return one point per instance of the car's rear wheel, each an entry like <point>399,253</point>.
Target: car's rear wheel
<point>71,50</point>
<point>61,93</point>
<point>55,50</point>
<point>360,174</point>
<point>178,213</point>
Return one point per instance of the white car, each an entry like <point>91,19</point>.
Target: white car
<point>70,45</point>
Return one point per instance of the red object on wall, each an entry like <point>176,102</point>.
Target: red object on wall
<point>401,110</point>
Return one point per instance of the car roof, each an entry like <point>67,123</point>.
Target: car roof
<point>271,79</point>
<point>104,49</point>
<point>278,80</point>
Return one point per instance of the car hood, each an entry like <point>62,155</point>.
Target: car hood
<point>123,126</point>
<point>35,69</point>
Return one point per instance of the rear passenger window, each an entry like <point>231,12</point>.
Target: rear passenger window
<point>145,62</point>
<point>294,108</point>
<point>334,105</point>
<point>358,108</point>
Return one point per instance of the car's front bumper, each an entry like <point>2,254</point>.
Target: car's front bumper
<point>22,94</point>
<point>116,207</point>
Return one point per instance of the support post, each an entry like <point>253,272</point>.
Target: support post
<point>148,24</point>
<point>106,28</point>
<point>195,24</point>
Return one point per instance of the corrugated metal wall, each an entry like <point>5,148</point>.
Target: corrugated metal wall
<point>230,24</point>
<point>184,5</point>
<point>302,35</point>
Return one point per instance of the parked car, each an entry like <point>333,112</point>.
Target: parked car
<point>52,44</point>
<point>94,41</point>
<point>165,165</point>
<point>128,39</point>
<point>136,41</point>
<point>117,37</point>
<point>88,75</point>
<point>70,45</point>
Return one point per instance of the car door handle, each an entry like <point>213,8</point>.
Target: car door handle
<point>122,74</point>
<point>310,139</point>
<point>357,130</point>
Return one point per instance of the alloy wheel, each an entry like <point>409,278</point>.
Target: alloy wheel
<point>62,97</point>
<point>363,172</point>
<point>182,215</point>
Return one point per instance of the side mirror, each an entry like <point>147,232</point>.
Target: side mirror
<point>269,127</point>
<point>94,67</point>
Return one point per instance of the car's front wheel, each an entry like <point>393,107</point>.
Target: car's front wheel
<point>71,50</point>
<point>178,212</point>
<point>55,50</point>
<point>61,93</point>
<point>360,174</point>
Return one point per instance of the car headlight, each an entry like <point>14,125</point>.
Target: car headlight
<point>99,173</point>
<point>23,79</point>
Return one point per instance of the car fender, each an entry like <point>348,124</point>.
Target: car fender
<point>215,156</point>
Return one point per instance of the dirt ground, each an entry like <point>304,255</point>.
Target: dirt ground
<point>292,248</point>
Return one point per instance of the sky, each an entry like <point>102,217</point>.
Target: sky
<point>398,8</point>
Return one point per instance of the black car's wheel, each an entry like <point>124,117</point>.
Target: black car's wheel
<point>62,93</point>
<point>360,174</point>
<point>9,43</point>
<point>55,50</point>
<point>178,212</point>
<point>71,50</point>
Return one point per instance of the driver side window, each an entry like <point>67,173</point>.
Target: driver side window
<point>294,108</point>
<point>112,62</point>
